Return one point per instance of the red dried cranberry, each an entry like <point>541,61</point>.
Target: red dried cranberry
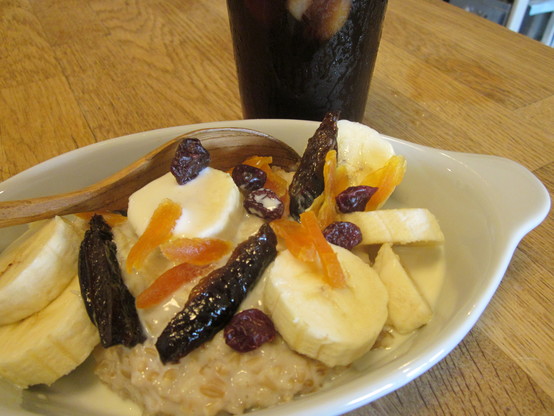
<point>248,330</point>
<point>264,203</point>
<point>190,159</point>
<point>249,178</point>
<point>344,234</point>
<point>354,198</point>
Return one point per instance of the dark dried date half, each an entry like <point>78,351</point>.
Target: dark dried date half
<point>216,298</point>
<point>344,234</point>
<point>108,302</point>
<point>248,330</point>
<point>308,182</point>
<point>190,159</point>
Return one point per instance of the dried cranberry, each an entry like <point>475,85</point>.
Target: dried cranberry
<point>264,203</point>
<point>344,234</point>
<point>354,198</point>
<point>190,159</point>
<point>249,178</point>
<point>248,330</point>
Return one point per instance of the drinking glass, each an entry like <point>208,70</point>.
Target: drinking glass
<point>302,58</point>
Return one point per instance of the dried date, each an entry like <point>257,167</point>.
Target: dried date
<point>108,302</point>
<point>308,182</point>
<point>215,299</point>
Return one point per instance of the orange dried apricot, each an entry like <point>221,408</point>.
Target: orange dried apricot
<point>198,251</point>
<point>158,231</point>
<point>341,180</point>
<point>306,242</point>
<point>296,239</point>
<point>386,179</point>
<point>167,283</point>
<point>327,212</point>
<point>332,269</point>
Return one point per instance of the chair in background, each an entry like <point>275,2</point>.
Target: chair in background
<point>535,7</point>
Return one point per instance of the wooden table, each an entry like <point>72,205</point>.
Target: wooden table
<point>78,72</point>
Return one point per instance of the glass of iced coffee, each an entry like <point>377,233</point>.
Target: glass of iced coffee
<point>302,58</point>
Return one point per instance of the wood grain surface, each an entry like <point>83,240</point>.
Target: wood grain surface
<point>76,72</point>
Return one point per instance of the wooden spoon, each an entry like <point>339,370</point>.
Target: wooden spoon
<point>227,146</point>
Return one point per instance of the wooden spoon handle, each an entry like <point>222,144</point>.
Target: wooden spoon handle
<point>227,146</point>
<point>109,194</point>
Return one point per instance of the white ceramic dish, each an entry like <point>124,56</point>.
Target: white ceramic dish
<point>485,205</point>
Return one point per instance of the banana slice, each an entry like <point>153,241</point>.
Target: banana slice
<point>335,326</point>
<point>361,150</point>
<point>397,226</point>
<point>48,344</point>
<point>214,214</point>
<point>36,268</point>
<point>408,310</point>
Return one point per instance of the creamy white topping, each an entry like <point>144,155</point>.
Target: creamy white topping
<point>211,204</point>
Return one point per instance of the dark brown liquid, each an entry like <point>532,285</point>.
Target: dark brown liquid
<point>286,71</point>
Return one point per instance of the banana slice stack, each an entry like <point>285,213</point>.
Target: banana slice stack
<point>45,331</point>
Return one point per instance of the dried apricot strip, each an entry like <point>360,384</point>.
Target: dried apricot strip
<point>332,269</point>
<point>318,202</point>
<point>111,218</point>
<point>327,212</point>
<point>341,180</point>
<point>158,231</point>
<point>335,181</point>
<point>198,251</point>
<point>386,179</point>
<point>168,282</point>
<point>306,242</point>
<point>296,239</point>
<point>258,161</point>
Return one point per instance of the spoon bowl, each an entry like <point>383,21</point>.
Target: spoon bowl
<point>227,146</point>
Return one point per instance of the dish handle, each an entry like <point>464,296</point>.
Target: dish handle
<point>526,203</point>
